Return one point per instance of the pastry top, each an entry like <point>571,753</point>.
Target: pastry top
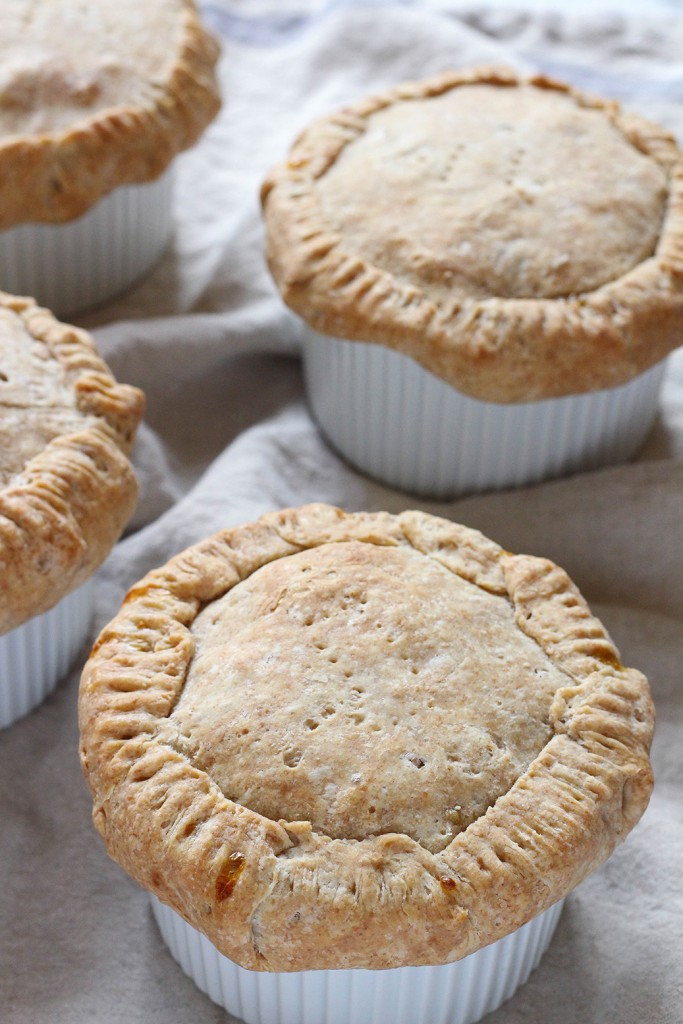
<point>518,238</point>
<point>302,731</point>
<point>527,195</point>
<point>66,485</point>
<point>97,95</point>
<point>396,716</point>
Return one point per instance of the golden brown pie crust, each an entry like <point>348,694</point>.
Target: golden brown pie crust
<point>64,503</point>
<point>279,895</point>
<point>55,171</point>
<point>537,254</point>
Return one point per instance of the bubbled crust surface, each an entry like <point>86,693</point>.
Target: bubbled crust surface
<point>282,895</point>
<point>94,96</point>
<point>375,690</point>
<point>66,485</point>
<point>538,247</point>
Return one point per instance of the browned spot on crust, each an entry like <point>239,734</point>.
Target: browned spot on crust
<point>609,657</point>
<point>228,875</point>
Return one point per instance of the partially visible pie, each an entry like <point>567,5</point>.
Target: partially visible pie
<point>67,487</point>
<point>94,96</point>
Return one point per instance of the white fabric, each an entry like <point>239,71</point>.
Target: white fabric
<point>228,437</point>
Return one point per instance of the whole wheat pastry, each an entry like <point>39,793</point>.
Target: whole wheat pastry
<point>94,97</point>
<point>335,740</point>
<point>516,237</point>
<point>67,487</point>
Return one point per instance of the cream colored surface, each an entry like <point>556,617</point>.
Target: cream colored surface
<point>521,241</point>
<point>36,397</point>
<point>67,488</point>
<point>484,191</point>
<point>94,95</point>
<point>367,691</point>
<point>78,943</point>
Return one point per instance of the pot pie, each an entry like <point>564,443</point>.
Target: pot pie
<point>332,740</point>
<point>93,99</point>
<point>519,240</point>
<point>67,487</point>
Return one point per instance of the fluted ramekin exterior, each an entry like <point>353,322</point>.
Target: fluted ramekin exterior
<point>403,426</point>
<point>73,266</point>
<point>458,993</point>
<point>40,652</point>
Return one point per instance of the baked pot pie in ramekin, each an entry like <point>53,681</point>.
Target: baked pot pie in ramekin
<point>96,100</point>
<point>490,271</point>
<point>335,742</point>
<point>67,489</point>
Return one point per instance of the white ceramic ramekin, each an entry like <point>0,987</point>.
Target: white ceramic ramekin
<point>72,266</point>
<point>37,654</point>
<point>403,426</point>
<point>459,993</point>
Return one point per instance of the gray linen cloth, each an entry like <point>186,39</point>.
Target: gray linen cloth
<point>228,437</point>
